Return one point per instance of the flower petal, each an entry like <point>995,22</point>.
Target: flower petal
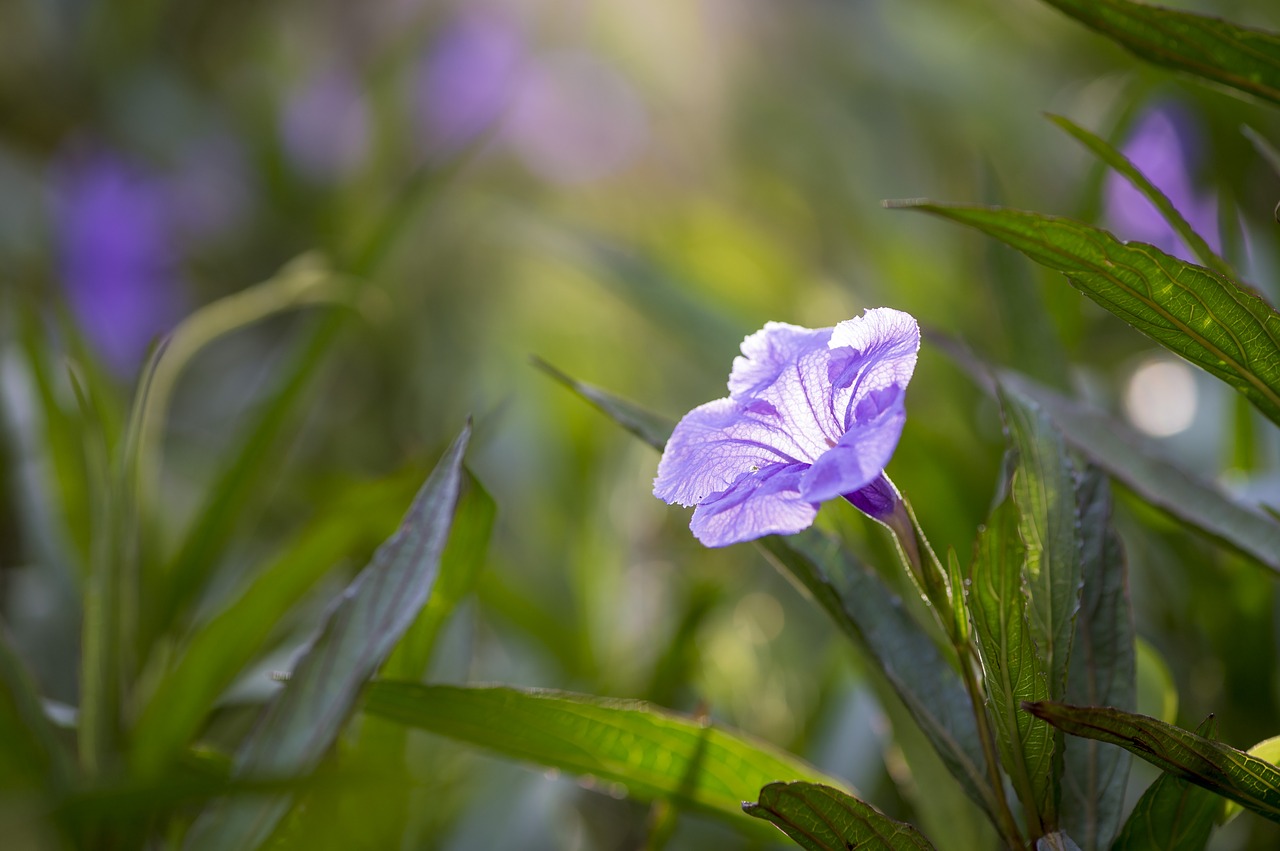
<point>878,499</point>
<point>762,503</point>
<point>716,444</point>
<point>767,352</point>
<point>870,353</point>
<point>860,456</point>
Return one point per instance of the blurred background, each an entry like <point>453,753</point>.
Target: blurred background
<point>625,190</point>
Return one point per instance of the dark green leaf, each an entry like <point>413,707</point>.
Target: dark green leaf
<point>1102,671</point>
<point>367,620</point>
<point>1158,199</point>
<point>865,610</point>
<point>1013,670</point>
<point>1172,815</point>
<point>1245,59</point>
<point>649,751</point>
<point>1207,318</point>
<point>1265,149</point>
<point>820,818</point>
<point>220,649</point>
<point>1231,773</point>
<point>1048,521</point>
<point>1138,463</point>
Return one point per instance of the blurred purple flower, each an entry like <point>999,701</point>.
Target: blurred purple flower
<point>466,81</point>
<point>325,126</point>
<point>117,254</point>
<point>1162,147</point>
<point>812,414</point>
<point>576,119</point>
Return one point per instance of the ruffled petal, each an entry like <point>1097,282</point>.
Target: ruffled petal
<point>719,442</point>
<point>871,353</point>
<point>864,450</point>
<point>767,352</point>
<point>765,502</point>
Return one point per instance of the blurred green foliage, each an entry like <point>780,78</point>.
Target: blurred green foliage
<point>634,188</point>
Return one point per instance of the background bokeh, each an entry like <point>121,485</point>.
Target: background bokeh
<point>624,189</point>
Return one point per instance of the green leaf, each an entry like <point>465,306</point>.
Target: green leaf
<point>1231,773</point>
<point>1102,671</point>
<point>1158,199</point>
<point>653,753</point>
<point>1048,522</point>
<point>360,631</point>
<point>874,619</point>
<point>1138,463</point>
<point>1268,749</point>
<point>221,648</point>
<point>1217,50</point>
<point>1207,318</point>
<point>1013,670</point>
<point>820,818</point>
<point>1265,149</point>
<point>1157,692</point>
<point>1172,815</point>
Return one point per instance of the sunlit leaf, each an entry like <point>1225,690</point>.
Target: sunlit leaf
<point>1221,326</point>
<point>1013,669</point>
<point>1102,671</point>
<point>1149,190</point>
<point>1138,463</point>
<point>1172,815</point>
<point>363,626</point>
<point>1226,53</point>
<point>1268,749</point>
<point>650,752</point>
<point>1048,521</point>
<point>820,818</point>
<point>650,428</point>
<point>1231,773</point>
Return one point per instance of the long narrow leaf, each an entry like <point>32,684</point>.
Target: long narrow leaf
<point>819,818</point>
<point>1216,323</point>
<point>1149,190</point>
<point>653,753</point>
<point>1226,53</point>
<point>1102,672</point>
<point>1172,815</point>
<point>1138,463</point>
<point>305,718</point>
<point>1048,521</point>
<point>30,754</point>
<point>1231,773</point>
<point>1014,671</point>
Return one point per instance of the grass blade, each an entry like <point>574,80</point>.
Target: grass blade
<point>819,818</point>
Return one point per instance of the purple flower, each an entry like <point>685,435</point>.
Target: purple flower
<point>117,254</point>
<point>812,414</point>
